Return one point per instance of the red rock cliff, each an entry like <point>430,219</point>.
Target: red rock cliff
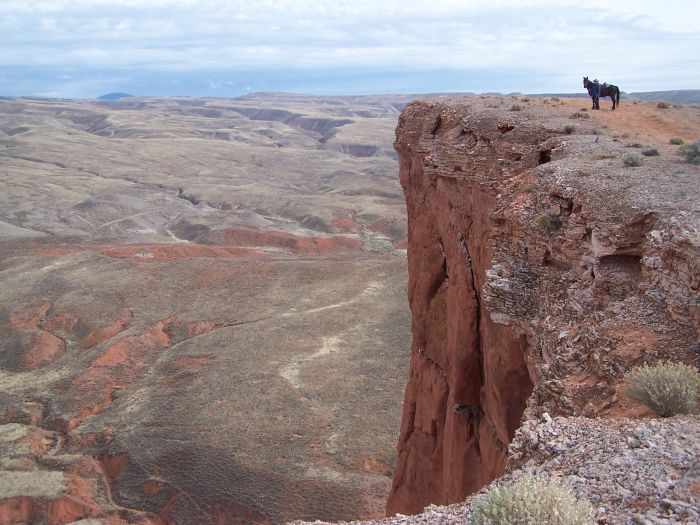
<point>540,268</point>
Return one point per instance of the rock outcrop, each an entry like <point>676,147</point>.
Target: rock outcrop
<point>540,269</point>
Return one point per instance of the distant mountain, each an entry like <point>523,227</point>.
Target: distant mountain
<point>114,96</point>
<point>678,96</point>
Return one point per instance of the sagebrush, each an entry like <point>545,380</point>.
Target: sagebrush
<point>666,388</point>
<point>533,500</point>
<point>632,159</point>
<point>691,152</point>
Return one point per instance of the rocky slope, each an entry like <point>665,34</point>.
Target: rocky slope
<point>633,471</point>
<point>540,269</point>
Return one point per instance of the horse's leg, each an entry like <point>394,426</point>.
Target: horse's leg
<point>612,97</point>
<point>593,99</point>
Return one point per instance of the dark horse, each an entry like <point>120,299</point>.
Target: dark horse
<point>606,90</point>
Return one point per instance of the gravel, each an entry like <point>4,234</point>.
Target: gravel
<point>633,471</point>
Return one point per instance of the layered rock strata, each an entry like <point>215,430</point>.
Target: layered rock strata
<point>540,269</point>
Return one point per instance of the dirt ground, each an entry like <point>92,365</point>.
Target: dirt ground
<point>643,120</point>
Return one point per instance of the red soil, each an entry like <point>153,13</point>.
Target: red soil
<point>170,252</point>
<point>643,120</point>
<point>78,503</point>
<point>151,487</point>
<point>17,510</point>
<point>247,237</point>
<point>100,335</point>
<point>188,362</point>
<point>30,318</point>
<point>42,347</point>
<point>345,224</point>
<point>119,366</point>
<point>64,321</point>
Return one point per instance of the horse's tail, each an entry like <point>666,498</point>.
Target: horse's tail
<point>617,95</point>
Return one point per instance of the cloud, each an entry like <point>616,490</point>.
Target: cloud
<point>635,42</point>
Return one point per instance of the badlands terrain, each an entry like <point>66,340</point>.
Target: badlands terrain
<point>203,314</point>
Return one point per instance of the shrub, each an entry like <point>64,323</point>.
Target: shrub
<point>555,99</point>
<point>632,159</point>
<point>549,222</point>
<point>676,141</point>
<point>515,107</point>
<point>532,500</point>
<point>606,155</point>
<point>667,388</point>
<point>663,105</point>
<point>650,152</point>
<point>578,114</point>
<point>691,152</point>
<point>569,129</point>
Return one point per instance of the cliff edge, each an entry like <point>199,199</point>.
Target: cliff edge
<point>541,268</point>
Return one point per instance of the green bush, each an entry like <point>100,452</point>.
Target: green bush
<point>667,388</point>
<point>632,159</point>
<point>691,152</point>
<point>569,129</point>
<point>663,105</point>
<point>578,114</point>
<point>533,500</point>
<point>677,141</point>
<point>650,152</point>
<point>515,107</point>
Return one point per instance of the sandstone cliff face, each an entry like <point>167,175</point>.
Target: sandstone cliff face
<point>540,269</point>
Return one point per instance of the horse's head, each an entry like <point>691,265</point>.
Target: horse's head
<point>585,82</point>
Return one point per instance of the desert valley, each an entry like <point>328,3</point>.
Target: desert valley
<point>204,314</point>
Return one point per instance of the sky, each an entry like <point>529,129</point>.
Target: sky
<point>85,48</point>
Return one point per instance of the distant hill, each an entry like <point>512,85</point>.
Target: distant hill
<point>114,96</point>
<point>679,96</point>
